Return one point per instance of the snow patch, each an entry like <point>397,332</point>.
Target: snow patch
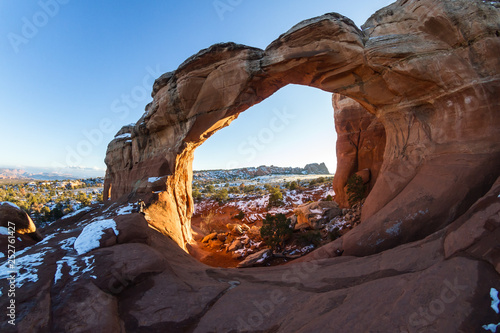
<point>76,212</point>
<point>154,179</point>
<point>25,268</point>
<point>125,210</point>
<point>10,204</point>
<point>123,136</point>
<point>74,269</point>
<point>491,327</point>
<point>395,229</point>
<point>494,299</point>
<point>91,234</point>
<point>68,243</point>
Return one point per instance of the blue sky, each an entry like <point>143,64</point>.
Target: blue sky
<point>73,72</point>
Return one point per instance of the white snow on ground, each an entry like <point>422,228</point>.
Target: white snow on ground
<point>9,203</point>
<point>154,179</point>
<point>91,235</point>
<point>86,209</point>
<point>46,239</point>
<point>68,243</point>
<point>4,231</point>
<point>264,257</point>
<point>123,136</point>
<point>494,299</point>
<point>74,269</point>
<point>126,209</point>
<point>25,267</point>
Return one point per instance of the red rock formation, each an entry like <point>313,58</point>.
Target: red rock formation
<point>15,222</point>
<point>429,71</point>
<point>360,145</point>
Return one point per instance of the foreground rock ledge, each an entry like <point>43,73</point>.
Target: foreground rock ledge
<point>428,70</point>
<point>135,279</point>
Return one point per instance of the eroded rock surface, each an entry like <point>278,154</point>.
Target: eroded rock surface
<point>360,145</point>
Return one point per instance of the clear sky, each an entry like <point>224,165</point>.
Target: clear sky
<point>73,72</point>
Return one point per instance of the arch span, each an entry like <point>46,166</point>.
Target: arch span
<point>429,72</point>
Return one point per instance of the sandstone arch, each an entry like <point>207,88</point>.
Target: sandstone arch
<point>428,71</point>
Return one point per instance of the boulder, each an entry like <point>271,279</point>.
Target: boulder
<point>15,222</point>
<point>255,259</point>
<point>209,237</point>
<point>315,213</point>
<point>235,245</point>
<point>10,212</point>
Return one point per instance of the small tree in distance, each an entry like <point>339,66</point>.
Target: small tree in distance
<point>275,197</point>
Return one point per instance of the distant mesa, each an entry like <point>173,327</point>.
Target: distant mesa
<point>48,174</point>
<point>263,170</point>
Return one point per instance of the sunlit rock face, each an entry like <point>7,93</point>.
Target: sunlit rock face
<point>427,70</point>
<point>360,145</point>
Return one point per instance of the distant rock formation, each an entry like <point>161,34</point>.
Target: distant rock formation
<point>245,173</point>
<point>317,169</point>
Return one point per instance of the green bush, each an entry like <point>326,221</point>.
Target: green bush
<point>275,197</point>
<point>221,195</point>
<point>197,195</point>
<point>355,189</point>
<point>310,237</point>
<point>334,234</point>
<point>240,215</point>
<point>293,185</point>
<point>275,230</point>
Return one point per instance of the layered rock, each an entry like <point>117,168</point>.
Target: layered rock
<point>360,145</point>
<point>428,71</point>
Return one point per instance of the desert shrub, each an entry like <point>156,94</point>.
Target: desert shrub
<point>293,185</point>
<point>234,189</point>
<point>275,230</point>
<point>221,195</point>
<point>355,189</point>
<point>209,223</point>
<point>197,194</point>
<point>334,234</point>
<point>249,188</point>
<point>310,237</point>
<point>275,197</point>
<point>209,188</point>
<point>240,215</point>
